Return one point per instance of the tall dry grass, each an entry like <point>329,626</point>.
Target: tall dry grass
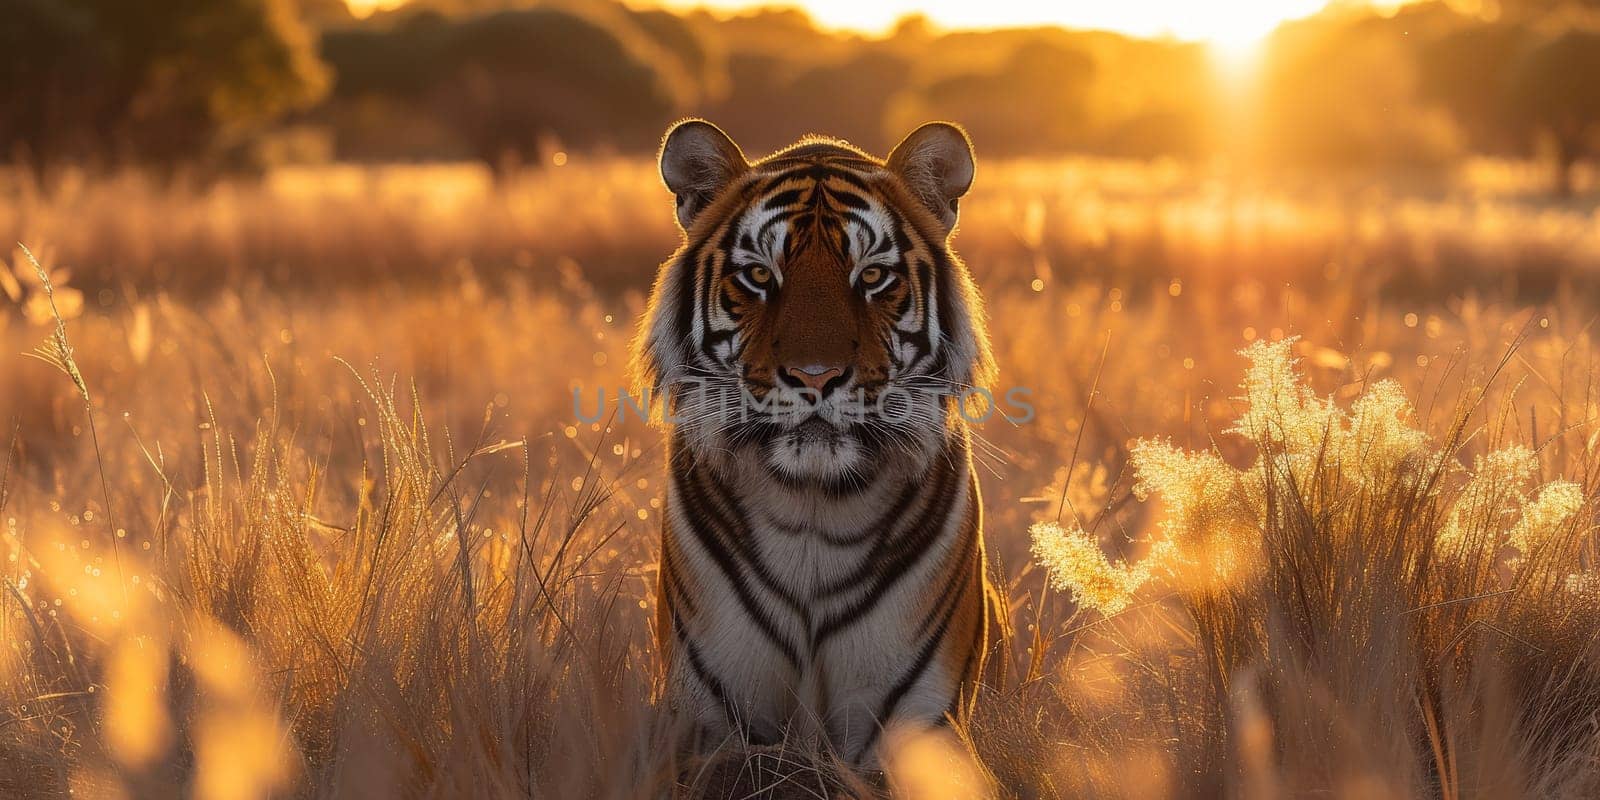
<point>346,618</point>
<point>1372,617</point>
<point>343,535</point>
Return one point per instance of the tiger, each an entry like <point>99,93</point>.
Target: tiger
<point>822,574</point>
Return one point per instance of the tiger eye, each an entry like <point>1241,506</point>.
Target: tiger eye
<point>760,274</point>
<point>871,275</point>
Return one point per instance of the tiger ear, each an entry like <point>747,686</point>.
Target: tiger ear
<point>698,160</point>
<point>936,164</point>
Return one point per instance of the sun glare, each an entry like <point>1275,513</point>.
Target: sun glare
<point>1231,25</point>
<point>366,8</point>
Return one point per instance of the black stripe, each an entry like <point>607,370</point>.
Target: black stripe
<point>711,338</point>
<point>850,200</point>
<point>962,566</point>
<point>889,569</point>
<point>925,284</point>
<point>820,175</point>
<point>845,176</point>
<point>924,657</point>
<point>674,589</point>
<point>883,523</point>
<point>936,501</point>
<point>946,295</point>
<point>969,667</point>
<point>777,219</point>
<point>686,283</point>
<point>809,154</point>
<point>701,672</point>
<point>906,305</point>
<point>720,544</point>
<point>726,301</point>
<point>850,216</point>
<point>730,547</point>
<point>787,197</point>
<point>723,506</point>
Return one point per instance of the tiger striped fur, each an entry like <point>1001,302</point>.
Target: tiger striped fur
<point>822,567</point>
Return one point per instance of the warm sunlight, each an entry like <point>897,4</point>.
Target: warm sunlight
<point>703,399</point>
<point>366,8</point>
<point>1230,25</point>
<point>1233,26</point>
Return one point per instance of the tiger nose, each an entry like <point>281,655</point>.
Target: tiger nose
<point>818,378</point>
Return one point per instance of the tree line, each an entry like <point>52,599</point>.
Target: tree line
<point>171,84</point>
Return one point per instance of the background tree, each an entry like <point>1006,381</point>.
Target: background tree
<point>1555,90</point>
<point>1345,90</point>
<point>1467,71</point>
<point>774,103</point>
<point>154,82</point>
<point>54,71</point>
<point>1037,101</point>
<point>514,81</point>
<point>324,13</point>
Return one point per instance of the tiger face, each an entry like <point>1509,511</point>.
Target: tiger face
<point>815,319</point>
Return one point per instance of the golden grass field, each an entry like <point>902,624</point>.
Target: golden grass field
<point>319,519</point>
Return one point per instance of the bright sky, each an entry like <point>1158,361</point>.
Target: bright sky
<point>366,8</point>
<point>1228,24</point>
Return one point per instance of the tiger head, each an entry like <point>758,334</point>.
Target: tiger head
<point>815,316</point>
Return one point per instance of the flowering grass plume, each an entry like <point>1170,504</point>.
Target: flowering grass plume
<point>1217,517</point>
<point>1079,567</point>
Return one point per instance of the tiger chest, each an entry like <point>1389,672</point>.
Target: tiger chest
<point>805,620</point>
